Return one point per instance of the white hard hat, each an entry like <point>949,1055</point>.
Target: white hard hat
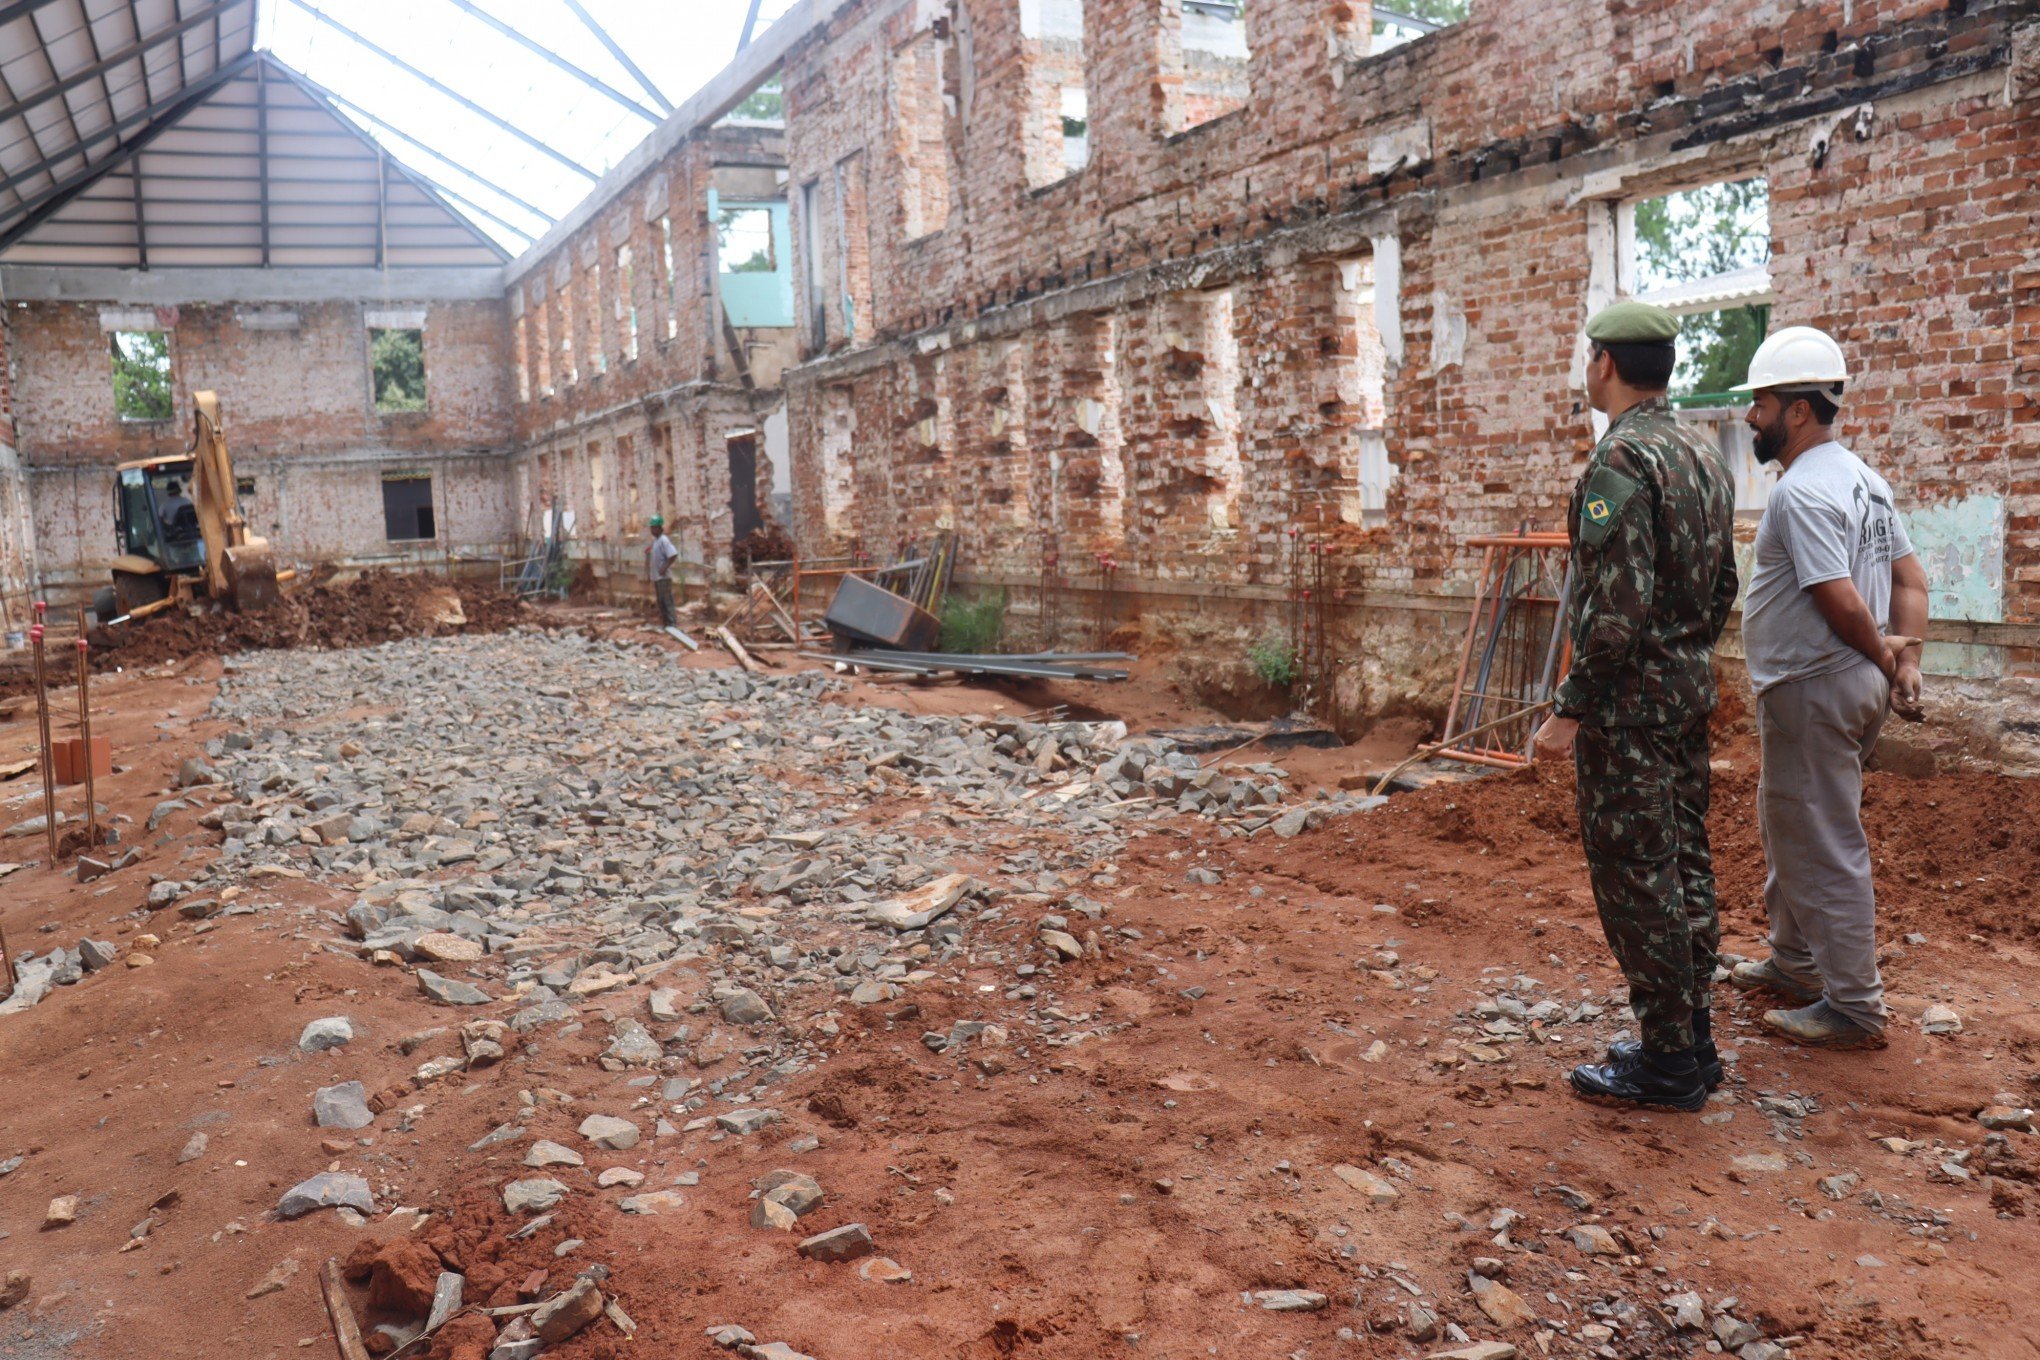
<point>1797,357</point>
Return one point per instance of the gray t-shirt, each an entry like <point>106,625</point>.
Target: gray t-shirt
<point>1829,517</point>
<point>659,557</point>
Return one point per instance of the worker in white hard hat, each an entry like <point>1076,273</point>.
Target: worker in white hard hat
<point>1832,628</point>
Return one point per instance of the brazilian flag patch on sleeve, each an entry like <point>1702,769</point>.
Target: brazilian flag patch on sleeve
<point>1607,492</point>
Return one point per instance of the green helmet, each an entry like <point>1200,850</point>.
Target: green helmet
<point>658,521</point>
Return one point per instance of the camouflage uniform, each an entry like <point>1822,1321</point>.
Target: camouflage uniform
<point>1653,580</point>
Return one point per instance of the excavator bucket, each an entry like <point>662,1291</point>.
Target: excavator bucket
<point>251,577</point>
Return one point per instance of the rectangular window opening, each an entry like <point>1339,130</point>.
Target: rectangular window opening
<point>1215,55</point>
<point>521,356</point>
<point>407,507</point>
<point>1404,21</point>
<point>1361,387</point>
<point>141,375</point>
<point>542,343</point>
<point>666,258</point>
<point>743,241</point>
<point>1058,129</point>
<point>598,352</point>
<point>814,243</point>
<point>396,361</point>
<point>920,109</point>
<point>626,303</point>
<point>1704,254</point>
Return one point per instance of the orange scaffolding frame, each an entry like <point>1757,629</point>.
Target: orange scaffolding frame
<point>1516,648</point>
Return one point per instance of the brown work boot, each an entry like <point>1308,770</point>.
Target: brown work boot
<point>1765,973</point>
<point>1822,1026</point>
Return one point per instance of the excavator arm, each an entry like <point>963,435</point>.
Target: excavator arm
<point>239,569</point>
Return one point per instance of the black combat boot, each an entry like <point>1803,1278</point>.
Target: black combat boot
<point>1669,1081</point>
<point>1703,1049</point>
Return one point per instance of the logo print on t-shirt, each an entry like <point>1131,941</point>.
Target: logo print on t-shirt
<point>1876,527</point>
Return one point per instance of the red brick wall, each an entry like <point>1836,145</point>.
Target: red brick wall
<point>1912,245</point>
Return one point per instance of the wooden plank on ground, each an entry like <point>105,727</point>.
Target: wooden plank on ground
<point>346,1332</point>
<point>736,649</point>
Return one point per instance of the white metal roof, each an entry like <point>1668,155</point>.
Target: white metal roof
<point>81,78</point>
<point>253,166</point>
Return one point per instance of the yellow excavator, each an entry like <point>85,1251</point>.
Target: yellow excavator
<point>180,532</point>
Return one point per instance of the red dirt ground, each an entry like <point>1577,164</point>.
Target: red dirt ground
<point>1106,1197</point>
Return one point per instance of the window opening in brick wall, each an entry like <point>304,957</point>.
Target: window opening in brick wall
<point>839,438</point>
<point>407,507</point>
<point>522,358</point>
<point>816,258</point>
<point>141,375</point>
<point>1704,254</point>
<point>743,241</point>
<point>598,489</point>
<point>853,249</point>
<point>920,114</point>
<point>1403,21</point>
<point>745,519</point>
<point>1215,54</point>
<point>1057,133</point>
<point>626,303</point>
<point>598,350</point>
<point>396,364</point>
<point>666,257</point>
<point>1361,390</point>
<point>541,343</point>
<point>570,369</point>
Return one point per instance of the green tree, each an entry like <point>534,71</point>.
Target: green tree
<point>1699,234</point>
<point>766,104</point>
<point>1439,12</point>
<point>397,363</point>
<point>141,375</point>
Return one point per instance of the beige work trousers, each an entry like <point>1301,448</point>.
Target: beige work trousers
<point>1816,735</point>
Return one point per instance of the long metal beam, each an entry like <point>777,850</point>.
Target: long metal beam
<point>588,78</point>
<point>356,109</point>
<point>158,119</point>
<point>97,68</point>
<point>455,95</point>
<point>622,57</point>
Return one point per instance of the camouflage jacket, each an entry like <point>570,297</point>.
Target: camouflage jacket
<point>1653,553</point>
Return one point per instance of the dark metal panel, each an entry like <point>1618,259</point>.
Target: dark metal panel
<point>99,68</point>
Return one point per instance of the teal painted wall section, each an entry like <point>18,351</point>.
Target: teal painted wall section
<point>1962,545</point>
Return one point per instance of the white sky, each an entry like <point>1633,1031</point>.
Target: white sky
<point>679,44</point>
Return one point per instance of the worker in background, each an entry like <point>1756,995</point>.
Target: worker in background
<point>1835,573</point>
<point>659,555</point>
<point>1653,581</point>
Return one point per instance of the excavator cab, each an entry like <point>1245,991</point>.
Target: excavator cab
<point>180,532</point>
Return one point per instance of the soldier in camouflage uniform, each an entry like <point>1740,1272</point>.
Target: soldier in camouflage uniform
<point>1653,581</point>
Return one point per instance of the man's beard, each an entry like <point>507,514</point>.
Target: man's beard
<point>1769,441</point>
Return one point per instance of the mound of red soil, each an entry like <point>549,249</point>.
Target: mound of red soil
<point>376,607</point>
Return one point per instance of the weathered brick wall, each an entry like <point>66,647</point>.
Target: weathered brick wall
<point>17,520</point>
<point>1488,159</point>
<point>300,419</point>
<point>644,429</point>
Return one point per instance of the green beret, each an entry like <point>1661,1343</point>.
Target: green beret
<point>1633,323</point>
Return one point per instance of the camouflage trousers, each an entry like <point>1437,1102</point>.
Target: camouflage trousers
<point>1642,800</point>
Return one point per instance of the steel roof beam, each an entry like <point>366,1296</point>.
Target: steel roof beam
<point>592,81</point>
<point>622,57</point>
<point>393,59</point>
<point>105,64</point>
